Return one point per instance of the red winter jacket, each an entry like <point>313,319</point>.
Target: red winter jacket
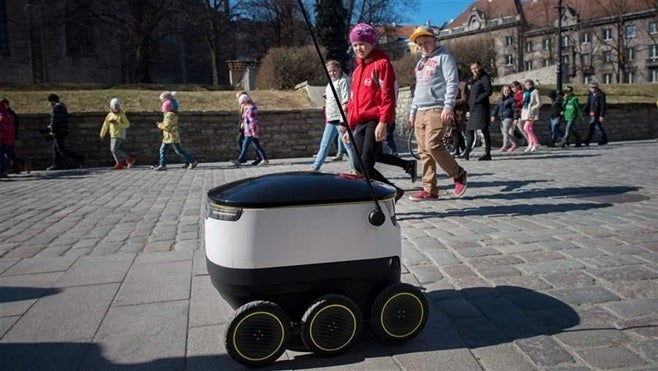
<point>7,134</point>
<point>373,90</point>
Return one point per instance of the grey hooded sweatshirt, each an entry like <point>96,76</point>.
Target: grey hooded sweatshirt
<point>437,77</point>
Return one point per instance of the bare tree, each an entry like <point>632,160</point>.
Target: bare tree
<point>378,12</point>
<point>478,48</point>
<point>283,21</point>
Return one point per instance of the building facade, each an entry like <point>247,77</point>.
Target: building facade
<point>608,41</point>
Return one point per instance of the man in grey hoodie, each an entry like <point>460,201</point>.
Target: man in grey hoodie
<point>431,113</point>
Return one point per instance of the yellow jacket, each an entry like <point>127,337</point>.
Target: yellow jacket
<point>169,127</point>
<point>118,129</point>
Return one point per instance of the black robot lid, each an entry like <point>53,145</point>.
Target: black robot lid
<point>296,189</point>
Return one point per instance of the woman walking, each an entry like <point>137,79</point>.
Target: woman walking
<point>530,114</point>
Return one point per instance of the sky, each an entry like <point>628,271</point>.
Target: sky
<point>437,11</point>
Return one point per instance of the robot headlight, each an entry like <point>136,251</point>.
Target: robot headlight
<point>218,212</point>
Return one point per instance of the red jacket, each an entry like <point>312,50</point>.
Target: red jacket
<point>518,99</point>
<point>373,90</point>
<point>7,134</point>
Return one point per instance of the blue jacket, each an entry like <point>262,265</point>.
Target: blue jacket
<point>505,108</point>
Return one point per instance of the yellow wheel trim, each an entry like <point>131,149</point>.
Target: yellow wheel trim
<point>353,327</point>
<point>381,316</point>
<point>283,331</point>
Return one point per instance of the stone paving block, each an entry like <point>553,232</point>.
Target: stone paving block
<point>64,314</point>
<point>646,289</point>
<point>411,256</point>
<point>19,293</point>
<point>502,357</point>
<point>199,263</point>
<point>531,283</point>
<point>645,326</point>
<point>458,271</point>
<point>479,332</point>
<point>156,282</point>
<point>460,359</point>
<point>92,270</point>
<point>498,271</point>
<point>634,308</point>
<point>5,325</point>
<point>540,256</point>
<point>23,251</point>
<point>611,358</point>
<point>5,264</point>
<point>441,257</point>
<point>518,248</point>
<point>569,279</point>
<point>552,266</point>
<point>188,245</point>
<point>611,261</point>
<point>494,261</point>
<point>425,273</point>
<point>594,317</point>
<point>584,295</point>
<point>45,356</point>
<point>648,349</point>
<point>159,246</point>
<point>477,251</point>
<point>149,336</point>
<point>593,338</point>
<point>205,349</point>
<point>556,245</point>
<point>627,273</point>
<point>458,308</point>
<point>507,317</point>
<point>544,351</point>
<point>583,252</point>
<point>41,265</point>
<point>206,305</point>
<point>623,250</point>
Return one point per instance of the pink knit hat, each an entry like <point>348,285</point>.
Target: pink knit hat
<point>364,33</point>
<point>167,106</point>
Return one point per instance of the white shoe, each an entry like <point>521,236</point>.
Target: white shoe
<point>236,162</point>
<point>528,149</point>
<point>263,163</point>
<point>533,148</point>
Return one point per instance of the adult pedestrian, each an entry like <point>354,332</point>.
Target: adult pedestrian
<point>437,79</point>
<point>555,116</point>
<point>14,160</point>
<point>505,112</point>
<point>572,113</point>
<point>372,100</point>
<point>595,108</point>
<point>59,130</point>
<point>459,120</point>
<point>480,110</point>
<point>530,113</point>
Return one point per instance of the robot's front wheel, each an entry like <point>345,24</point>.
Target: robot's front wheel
<point>257,333</point>
<point>399,313</point>
<point>330,324</point>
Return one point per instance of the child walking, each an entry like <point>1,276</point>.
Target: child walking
<point>530,114</point>
<point>572,113</point>
<point>251,129</point>
<point>505,111</point>
<point>116,124</point>
<point>171,137</point>
<point>372,101</point>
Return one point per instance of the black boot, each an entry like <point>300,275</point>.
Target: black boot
<point>485,157</point>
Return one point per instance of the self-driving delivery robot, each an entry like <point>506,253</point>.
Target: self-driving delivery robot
<point>311,255</point>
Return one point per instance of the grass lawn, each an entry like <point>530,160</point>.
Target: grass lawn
<point>95,98</point>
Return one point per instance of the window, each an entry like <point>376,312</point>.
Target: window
<point>653,52</point>
<point>607,56</point>
<point>565,59</point>
<point>607,34</point>
<point>653,28</point>
<point>527,65</point>
<point>607,78</point>
<point>545,62</point>
<point>509,40</point>
<point>509,59</point>
<point>653,74</point>
<point>564,41</point>
<point>586,38</point>
<point>586,79</point>
<point>629,31</point>
<point>528,46</point>
<point>629,77</point>
<point>4,39</point>
<point>585,59</point>
<point>546,44</point>
<point>630,54</point>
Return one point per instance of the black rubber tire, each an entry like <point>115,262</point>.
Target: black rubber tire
<point>413,145</point>
<point>399,313</point>
<point>257,333</point>
<point>331,324</point>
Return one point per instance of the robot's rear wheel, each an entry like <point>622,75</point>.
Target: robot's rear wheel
<point>399,313</point>
<point>330,324</point>
<point>257,333</point>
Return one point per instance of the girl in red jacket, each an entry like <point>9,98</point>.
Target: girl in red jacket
<point>372,101</point>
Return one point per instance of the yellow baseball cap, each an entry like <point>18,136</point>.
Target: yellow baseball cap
<point>421,31</point>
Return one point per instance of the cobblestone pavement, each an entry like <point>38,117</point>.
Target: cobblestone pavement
<point>549,262</point>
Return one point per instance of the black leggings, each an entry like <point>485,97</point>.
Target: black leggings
<point>470,139</point>
<point>368,147</point>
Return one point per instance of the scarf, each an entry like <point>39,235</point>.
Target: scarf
<point>526,98</point>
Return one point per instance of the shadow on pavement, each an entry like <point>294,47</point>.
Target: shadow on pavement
<point>566,192</point>
<point>458,319</point>
<point>12,293</point>
<point>506,210</point>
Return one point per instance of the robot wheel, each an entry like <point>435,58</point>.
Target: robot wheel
<point>399,313</point>
<point>331,324</point>
<point>257,333</point>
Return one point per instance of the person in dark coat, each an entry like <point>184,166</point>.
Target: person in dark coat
<point>595,108</point>
<point>480,110</point>
<point>555,116</point>
<point>59,130</point>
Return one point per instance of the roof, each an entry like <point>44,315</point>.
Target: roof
<point>542,13</point>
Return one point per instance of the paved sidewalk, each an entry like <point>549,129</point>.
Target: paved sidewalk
<point>549,262</point>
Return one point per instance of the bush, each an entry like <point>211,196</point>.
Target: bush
<point>283,68</point>
<point>404,70</point>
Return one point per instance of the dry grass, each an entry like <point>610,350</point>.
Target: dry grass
<point>94,99</point>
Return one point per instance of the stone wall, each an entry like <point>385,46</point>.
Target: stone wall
<point>211,136</point>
